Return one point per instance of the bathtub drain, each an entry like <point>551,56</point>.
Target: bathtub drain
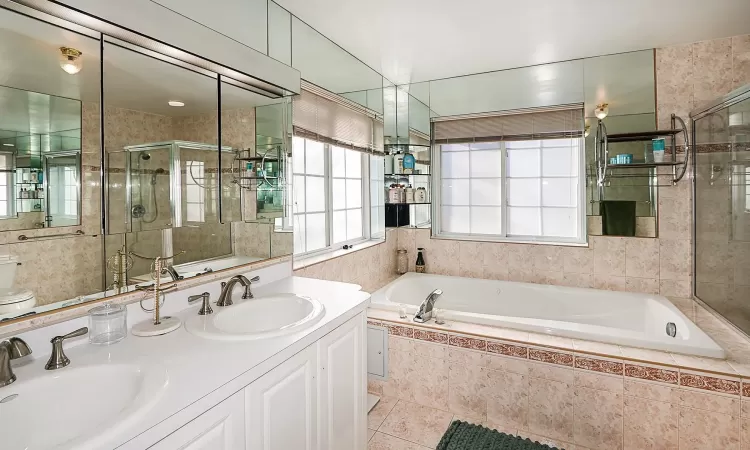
<point>671,329</point>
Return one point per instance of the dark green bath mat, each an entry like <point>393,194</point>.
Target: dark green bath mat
<point>467,436</point>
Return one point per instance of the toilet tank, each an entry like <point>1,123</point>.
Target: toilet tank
<point>8,265</point>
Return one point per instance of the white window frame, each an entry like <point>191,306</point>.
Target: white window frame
<point>580,240</point>
<point>328,208</point>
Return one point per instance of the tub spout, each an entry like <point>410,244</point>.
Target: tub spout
<point>425,309</point>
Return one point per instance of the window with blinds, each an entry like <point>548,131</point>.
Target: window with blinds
<point>515,177</point>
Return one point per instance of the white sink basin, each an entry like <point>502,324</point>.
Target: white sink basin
<point>76,407</point>
<point>258,318</point>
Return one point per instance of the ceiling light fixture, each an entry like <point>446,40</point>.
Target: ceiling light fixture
<point>601,111</point>
<point>9,145</point>
<point>175,103</point>
<point>70,60</point>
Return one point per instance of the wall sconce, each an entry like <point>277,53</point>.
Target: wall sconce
<point>601,111</point>
<point>70,60</point>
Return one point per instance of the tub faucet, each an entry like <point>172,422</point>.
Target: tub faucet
<point>172,272</point>
<point>425,309</point>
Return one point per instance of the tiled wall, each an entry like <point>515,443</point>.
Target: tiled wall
<point>567,400</point>
<point>371,267</point>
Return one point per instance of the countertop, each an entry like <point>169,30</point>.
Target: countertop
<point>201,372</point>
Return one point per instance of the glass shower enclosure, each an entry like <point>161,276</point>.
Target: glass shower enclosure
<point>721,206</point>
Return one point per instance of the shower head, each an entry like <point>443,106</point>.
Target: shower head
<point>145,156</point>
<point>159,170</point>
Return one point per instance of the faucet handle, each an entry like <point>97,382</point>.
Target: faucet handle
<point>248,292</point>
<point>206,307</point>
<point>255,279</point>
<point>58,360</point>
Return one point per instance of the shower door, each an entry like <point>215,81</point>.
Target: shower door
<point>722,208</point>
<point>149,188</point>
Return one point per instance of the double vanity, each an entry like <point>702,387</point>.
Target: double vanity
<point>283,370</point>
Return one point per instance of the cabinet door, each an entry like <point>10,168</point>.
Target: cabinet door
<point>343,387</point>
<point>280,407</point>
<point>220,428</point>
<point>377,352</point>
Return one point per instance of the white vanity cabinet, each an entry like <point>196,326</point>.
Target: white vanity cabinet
<point>220,428</point>
<point>314,400</point>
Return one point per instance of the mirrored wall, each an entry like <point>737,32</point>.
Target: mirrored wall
<point>114,154</point>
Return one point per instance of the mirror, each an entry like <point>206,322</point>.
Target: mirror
<point>171,185</point>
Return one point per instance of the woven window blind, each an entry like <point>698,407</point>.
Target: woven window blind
<point>337,122</point>
<point>561,122</point>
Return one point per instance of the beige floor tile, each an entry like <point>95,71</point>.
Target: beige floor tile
<point>378,414</point>
<point>370,434</point>
<point>382,441</point>
<point>416,423</point>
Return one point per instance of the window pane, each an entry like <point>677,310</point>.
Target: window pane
<point>560,192</point>
<point>339,193</point>
<point>299,233</point>
<point>486,220</point>
<point>314,158</point>
<point>354,223</point>
<point>560,162</point>
<point>353,164</point>
<point>298,155</point>
<point>486,163</point>
<point>315,194</point>
<point>455,219</point>
<point>455,192</point>
<point>316,231</point>
<point>338,162</point>
<point>523,163</point>
<point>339,226</point>
<point>523,192</point>
<point>353,193</point>
<point>298,185</point>
<point>523,221</point>
<point>560,222</point>
<point>485,146</point>
<point>522,144</point>
<point>455,165</point>
<point>486,191</point>
<point>454,147</point>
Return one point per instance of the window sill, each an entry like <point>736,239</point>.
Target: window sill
<point>306,261</point>
<point>458,237</point>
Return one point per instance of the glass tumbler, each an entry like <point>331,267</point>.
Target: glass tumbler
<point>403,262</point>
<point>108,324</point>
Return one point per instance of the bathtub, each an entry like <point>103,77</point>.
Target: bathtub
<point>635,320</point>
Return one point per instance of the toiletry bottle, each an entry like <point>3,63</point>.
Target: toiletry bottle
<point>420,196</point>
<point>409,162</point>
<point>409,192</point>
<point>420,261</point>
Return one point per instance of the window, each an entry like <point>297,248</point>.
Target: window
<point>525,190</point>
<point>7,194</point>
<point>329,193</point>
<point>195,194</point>
<point>63,191</point>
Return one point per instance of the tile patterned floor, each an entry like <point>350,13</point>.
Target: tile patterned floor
<point>400,425</point>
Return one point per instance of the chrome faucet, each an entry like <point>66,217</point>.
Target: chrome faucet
<point>172,272</point>
<point>13,348</point>
<point>225,298</point>
<point>58,360</point>
<point>425,309</point>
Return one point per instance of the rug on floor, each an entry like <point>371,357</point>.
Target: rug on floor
<point>467,436</point>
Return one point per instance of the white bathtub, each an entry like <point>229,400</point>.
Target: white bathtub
<point>636,320</point>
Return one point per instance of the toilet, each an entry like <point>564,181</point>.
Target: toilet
<point>12,299</point>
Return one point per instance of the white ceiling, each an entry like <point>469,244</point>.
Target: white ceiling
<point>418,40</point>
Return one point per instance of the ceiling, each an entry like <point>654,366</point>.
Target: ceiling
<point>37,96</point>
<point>419,40</point>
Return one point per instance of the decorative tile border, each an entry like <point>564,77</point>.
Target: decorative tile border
<point>666,375</point>
<point>508,349</point>
<point>431,336</point>
<point>561,359</point>
<point>652,374</point>
<point>710,383</point>
<point>599,365</point>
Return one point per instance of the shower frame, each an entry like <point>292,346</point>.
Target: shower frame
<point>732,98</point>
<point>175,174</point>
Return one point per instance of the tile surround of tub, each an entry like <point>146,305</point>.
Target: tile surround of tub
<point>564,398</point>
